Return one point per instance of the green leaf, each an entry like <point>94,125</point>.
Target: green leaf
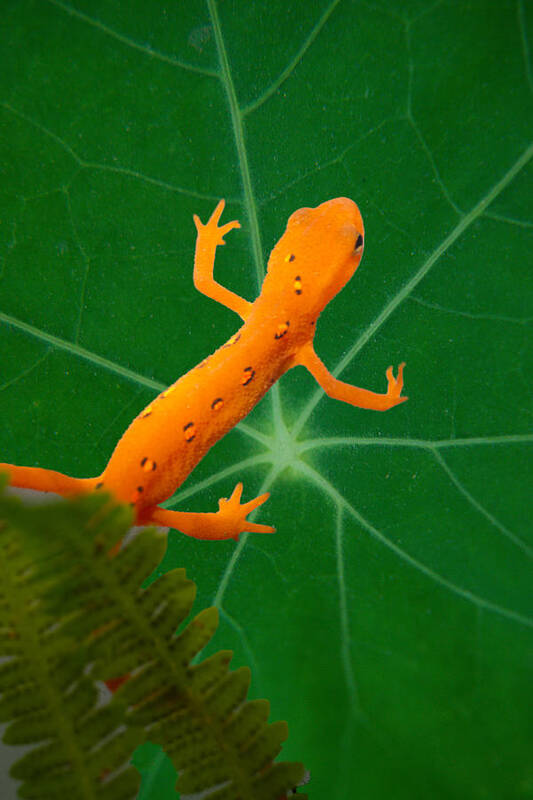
<point>159,775</point>
<point>389,620</point>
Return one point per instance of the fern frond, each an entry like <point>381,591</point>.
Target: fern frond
<point>219,742</point>
<point>82,748</point>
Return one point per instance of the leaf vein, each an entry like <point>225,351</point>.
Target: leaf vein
<point>468,315</point>
<point>428,444</point>
<point>126,40</point>
<point>466,594</point>
<point>93,165</point>
<point>346,658</point>
<point>291,66</point>
<point>479,507</point>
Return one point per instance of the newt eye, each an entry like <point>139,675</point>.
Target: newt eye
<point>358,244</point>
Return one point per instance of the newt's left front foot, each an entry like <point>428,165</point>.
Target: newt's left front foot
<point>395,386</point>
<point>211,233</point>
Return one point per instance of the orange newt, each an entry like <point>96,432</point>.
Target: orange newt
<point>316,256</point>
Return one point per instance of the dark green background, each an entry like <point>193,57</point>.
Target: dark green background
<point>389,620</point>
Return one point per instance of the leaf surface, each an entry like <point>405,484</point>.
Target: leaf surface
<point>389,620</point>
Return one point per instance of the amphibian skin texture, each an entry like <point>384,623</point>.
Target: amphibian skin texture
<point>316,256</point>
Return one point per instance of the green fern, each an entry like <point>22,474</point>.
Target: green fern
<point>46,695</point>
<point>216,739</point>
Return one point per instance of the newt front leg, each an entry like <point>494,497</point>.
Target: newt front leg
<point>362,398</point>
<point>211,236</point>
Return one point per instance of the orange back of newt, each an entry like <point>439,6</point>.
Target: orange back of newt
<point>318,253</point>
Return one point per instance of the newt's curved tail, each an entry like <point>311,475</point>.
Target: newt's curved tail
<point>46,480</point>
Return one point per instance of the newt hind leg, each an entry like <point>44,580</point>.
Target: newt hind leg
<point>227,523</point>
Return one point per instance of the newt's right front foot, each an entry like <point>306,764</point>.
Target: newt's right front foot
<point>227,523</point>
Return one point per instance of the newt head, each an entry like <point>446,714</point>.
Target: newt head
<point>318,254</point>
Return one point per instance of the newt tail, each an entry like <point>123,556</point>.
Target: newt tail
<point>47,480</point>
